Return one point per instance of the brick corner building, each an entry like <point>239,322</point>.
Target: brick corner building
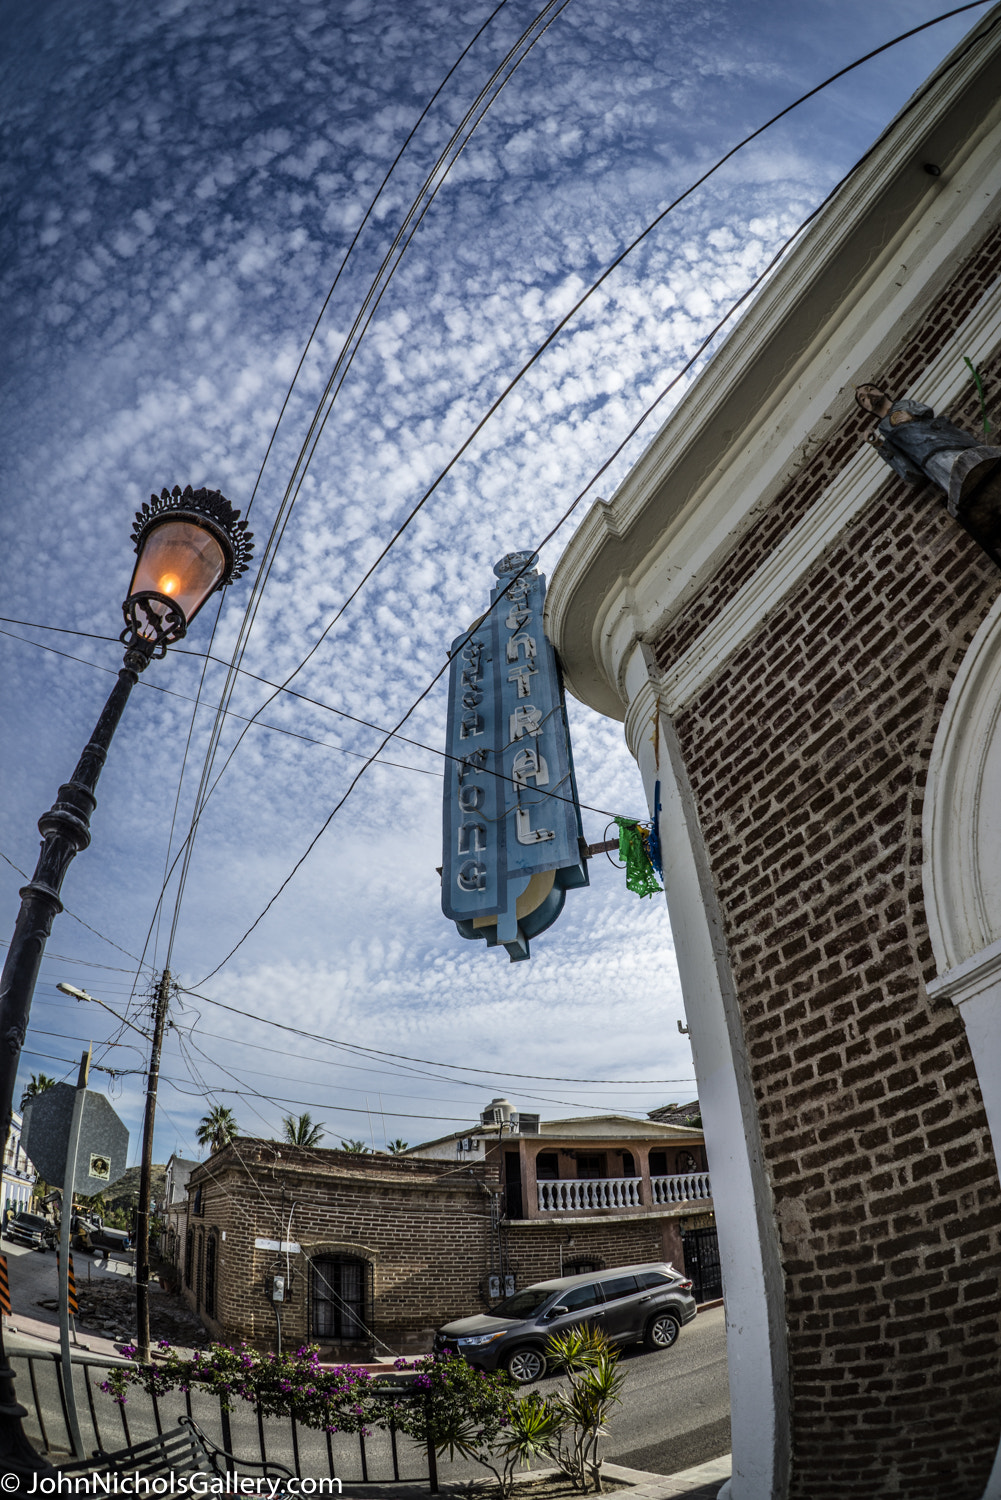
<point>817,645</point>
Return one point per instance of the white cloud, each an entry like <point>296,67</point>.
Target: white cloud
<point>182,186</point>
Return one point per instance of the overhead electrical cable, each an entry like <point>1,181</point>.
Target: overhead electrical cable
<point>612,266</point>
<point>342,1088</point>
<point>446,160</point>
<point>643,418</point>
<point>288,394</point>
<point>294,734</point>
<point>357,1047</point>
<point>434,750</point>
<point>104,939</point>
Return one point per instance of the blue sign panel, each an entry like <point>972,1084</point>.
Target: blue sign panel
<point>511,820</point>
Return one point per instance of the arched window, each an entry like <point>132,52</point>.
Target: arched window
<point>189,1246</point>
<point>200,1268</point>
<point>211,1255</point>
<point>337,1297</point>
<point>582,1264</point>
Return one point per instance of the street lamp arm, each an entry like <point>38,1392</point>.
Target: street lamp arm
<point>78,994</point>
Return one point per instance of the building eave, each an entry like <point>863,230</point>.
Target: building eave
<point>769,396</point>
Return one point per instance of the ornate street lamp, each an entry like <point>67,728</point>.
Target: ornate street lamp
<point>188,545</point>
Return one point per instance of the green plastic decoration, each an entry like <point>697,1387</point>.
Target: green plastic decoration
<point>980,392</point>
<point>633,851</point>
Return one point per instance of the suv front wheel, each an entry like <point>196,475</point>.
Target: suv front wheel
<point>662,1331</point>
<point>525,1365</point>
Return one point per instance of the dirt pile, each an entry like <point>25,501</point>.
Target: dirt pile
<point>108,1307</point>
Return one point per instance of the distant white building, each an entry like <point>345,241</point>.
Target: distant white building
<point>19,1176</point>
<point>174,1210</point>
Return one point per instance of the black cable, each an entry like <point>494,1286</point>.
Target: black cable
<point>612,266</point>
<point>109,941</point>
<point>356,1047</point>
<point>456,144</point>
<point>643,417</point>
<point>294,734</point>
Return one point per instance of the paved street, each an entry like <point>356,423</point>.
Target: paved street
<point>676,1409</point>
<point>32,1275</point>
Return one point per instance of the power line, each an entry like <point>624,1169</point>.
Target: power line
<point>612,266</point>
<point>645,415</point>
<point>457,142</point>
<point>315,1036</point>
<point>229,712</point>
<point>17,869</point>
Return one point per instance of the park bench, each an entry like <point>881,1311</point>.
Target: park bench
<point>183,1450</point>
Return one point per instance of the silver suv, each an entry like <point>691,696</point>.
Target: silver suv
<point>632,1304</point>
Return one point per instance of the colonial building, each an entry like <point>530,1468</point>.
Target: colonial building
<point>174,1209</point>
<point>590,1192</point>
<point>805,649</point>
<point>369,1253</point>
<point>362,1254</point>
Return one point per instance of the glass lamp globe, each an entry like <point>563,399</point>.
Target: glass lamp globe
<point>182,562</point>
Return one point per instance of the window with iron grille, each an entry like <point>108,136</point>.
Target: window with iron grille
<point>337,1297</point>
<point>189,1246</point>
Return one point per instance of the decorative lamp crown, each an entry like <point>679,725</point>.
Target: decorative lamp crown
<point>188,544</point>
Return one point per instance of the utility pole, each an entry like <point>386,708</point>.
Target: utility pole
<point>143,1354</point>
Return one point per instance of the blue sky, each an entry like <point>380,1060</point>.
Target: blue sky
<point>181,183</point>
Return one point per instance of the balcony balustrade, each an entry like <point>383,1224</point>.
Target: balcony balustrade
<point>579,1195</point>
<point>576,1195</point>
<point>682,1188</point>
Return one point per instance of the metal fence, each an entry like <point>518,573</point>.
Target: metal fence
<point>385,1457</point>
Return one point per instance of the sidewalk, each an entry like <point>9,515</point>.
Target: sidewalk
<point>701,1483</point>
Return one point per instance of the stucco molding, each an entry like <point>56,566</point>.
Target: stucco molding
<point>748,1236</point>
<point>962,887</point>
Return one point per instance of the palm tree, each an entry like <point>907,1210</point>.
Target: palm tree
<point>395,1148</point>
<point>217,1128</point>
<point>39,1083</point>
<point>300,1130</point>
<point>358,1147</point>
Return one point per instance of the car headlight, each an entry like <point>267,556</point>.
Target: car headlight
<point>478,1338</point>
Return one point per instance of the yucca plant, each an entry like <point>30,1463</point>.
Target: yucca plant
<point>595,1382</point>
<point>527,1430</point>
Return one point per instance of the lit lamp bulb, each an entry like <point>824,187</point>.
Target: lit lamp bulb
<point>188,545</point>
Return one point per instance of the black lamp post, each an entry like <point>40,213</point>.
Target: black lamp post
<point>188,545</point>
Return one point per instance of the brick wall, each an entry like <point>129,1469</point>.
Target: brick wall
<point>789,508</point>
<point>534,1254</point>
<point>807,756</point>
<point>423,1229</point>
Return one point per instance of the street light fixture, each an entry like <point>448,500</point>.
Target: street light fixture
<point>188,545</point>
<point>77,994</point>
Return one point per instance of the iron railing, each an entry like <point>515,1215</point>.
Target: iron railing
<point>386,1456</point>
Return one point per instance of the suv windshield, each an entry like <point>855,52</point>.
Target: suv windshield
<point>32,1221</point>
<point>523,1304</point>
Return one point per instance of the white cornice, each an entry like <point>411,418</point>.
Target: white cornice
<point>975,976</point>
<point>841,302</point>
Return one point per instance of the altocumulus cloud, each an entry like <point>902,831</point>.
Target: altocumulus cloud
<point>182,182</point>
